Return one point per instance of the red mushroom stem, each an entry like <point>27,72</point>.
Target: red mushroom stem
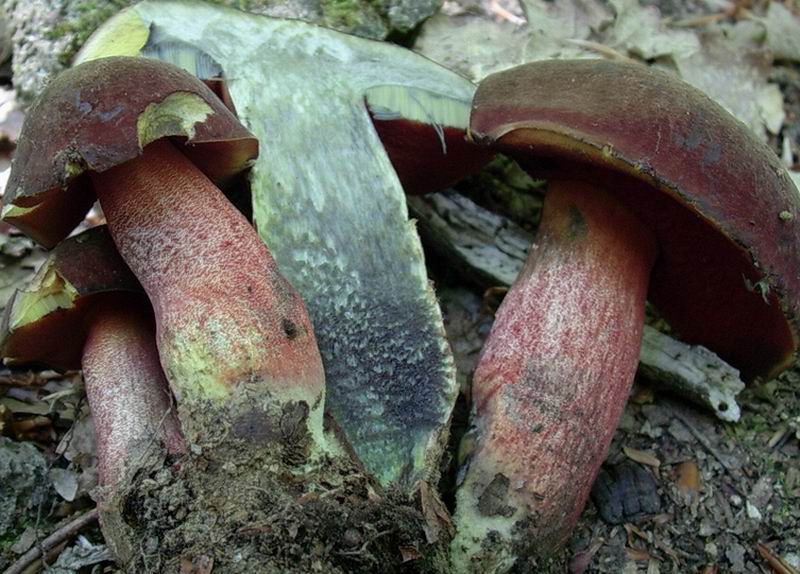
<point>127,391</point>
<point>224,314</point>
<point>560,359</point>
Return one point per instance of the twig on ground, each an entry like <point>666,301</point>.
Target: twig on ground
<point>502,13</point>
<point>61,535</point>
<point>699,21</point>
<point>602,49</point>
<point>736,11</point>
<point>776,563</point>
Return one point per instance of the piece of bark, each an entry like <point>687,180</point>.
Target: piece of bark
<point>489,250</point>
<point>693,372</point>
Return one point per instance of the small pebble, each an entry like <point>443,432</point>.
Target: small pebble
<point>735,555</point>
<point>351,537</point>
<point>792,559</point>
<point>711,551</point>
<point>753,512</point>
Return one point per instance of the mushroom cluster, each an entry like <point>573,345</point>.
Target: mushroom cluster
<point>225,319</point>
<point>196,349</point>
<point>85,309</point>
<point>363,121</point>
<point>186,285</point>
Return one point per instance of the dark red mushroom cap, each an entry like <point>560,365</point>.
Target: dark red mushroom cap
<point>101,114</point>
<point>47,321</point>
<point>720,203</point>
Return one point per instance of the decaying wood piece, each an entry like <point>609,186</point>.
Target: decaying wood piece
<point>692,371</point>
<point>490,250</point>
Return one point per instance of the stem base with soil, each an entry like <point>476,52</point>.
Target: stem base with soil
<point>561,358</point>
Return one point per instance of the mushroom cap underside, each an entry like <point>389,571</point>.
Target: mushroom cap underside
<point>720,203</point>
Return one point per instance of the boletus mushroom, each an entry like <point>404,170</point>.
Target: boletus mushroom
<point>261,466</point>
<point>654,192</point>
<point>149,141</point>
<point>361,121</point>
<point>84,308</point>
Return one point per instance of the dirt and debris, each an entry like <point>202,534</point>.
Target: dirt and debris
<point>23,484</point>
<point>244,520</point>
<point>722,488</point>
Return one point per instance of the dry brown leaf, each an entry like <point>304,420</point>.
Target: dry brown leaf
<point>642,456</point>
<point>632,530</point>
<point>642,395</point>
<point>200,565</point>
<point>777,436</point>
<point>688,479</point>
<point>408,553</point>
<point>435,513</point>
<point>580,562</point>
<point>667,549</point>
<point>30,424</point>
<point>23,379</point>
<point>5,418</point>
<point>661,519</point>
<point>638,554</point>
